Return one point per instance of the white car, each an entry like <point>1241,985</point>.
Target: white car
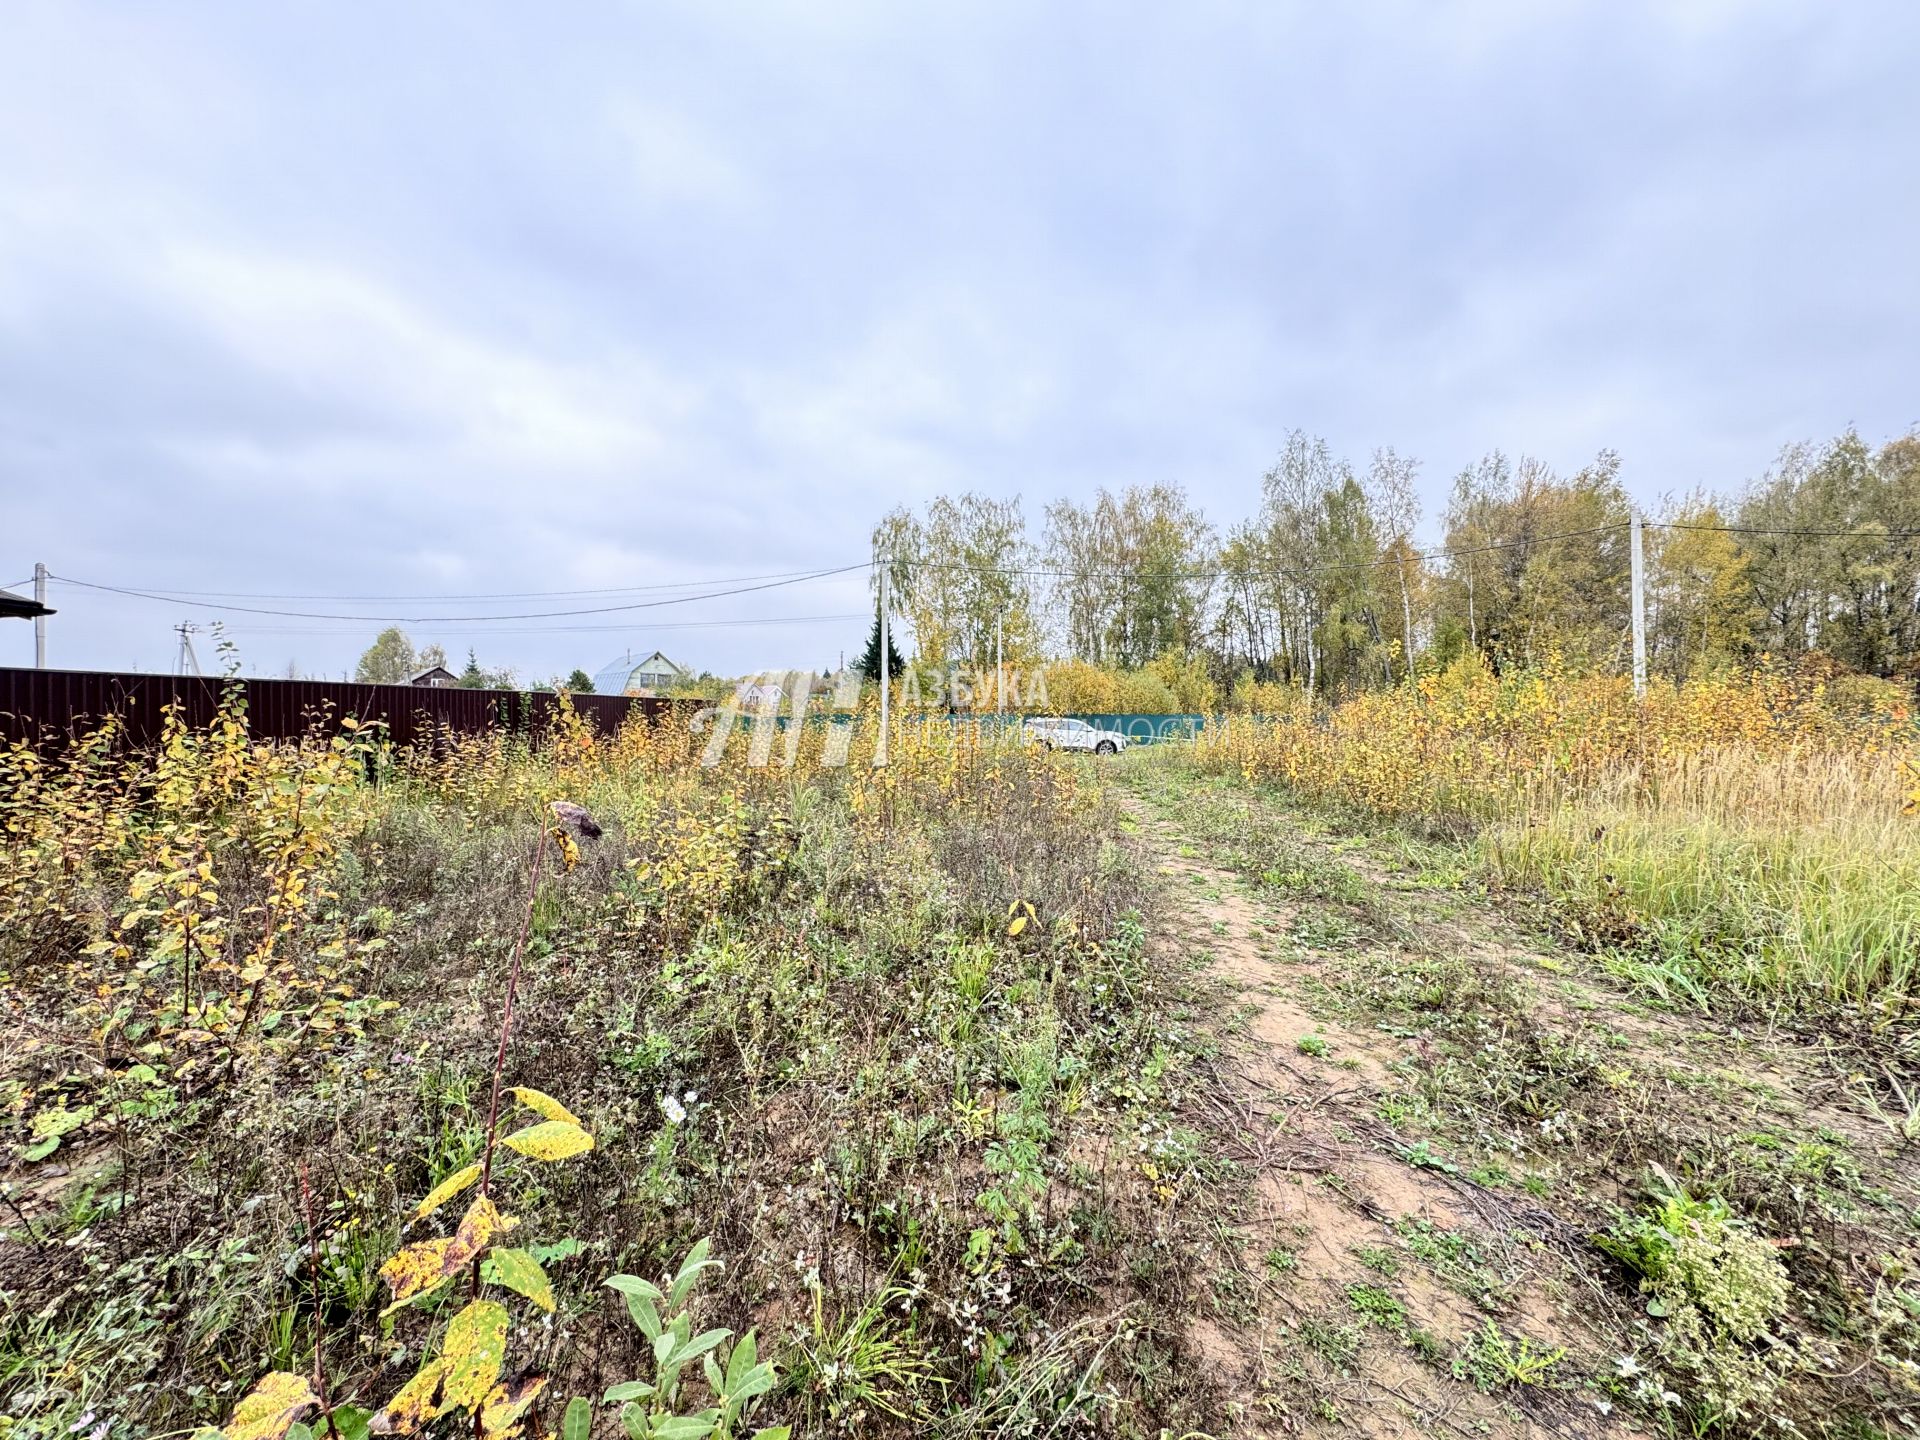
<point>1058,734</point>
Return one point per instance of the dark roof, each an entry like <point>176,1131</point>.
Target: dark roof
<point>18,607</point>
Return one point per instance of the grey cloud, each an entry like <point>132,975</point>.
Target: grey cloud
<point>497,298</point>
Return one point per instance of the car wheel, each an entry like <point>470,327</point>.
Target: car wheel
<point>1105,747</point>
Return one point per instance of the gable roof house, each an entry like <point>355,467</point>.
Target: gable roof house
<point>754,694</point>
<point>628,676</point>
<point>437,677</point>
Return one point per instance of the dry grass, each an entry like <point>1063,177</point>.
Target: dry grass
<point>787,1003</point>
<point>1785,874</point>
<point>1748,833</point>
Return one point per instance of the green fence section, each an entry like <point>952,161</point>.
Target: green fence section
<point>1140,729</point>
<point>1146,729</point>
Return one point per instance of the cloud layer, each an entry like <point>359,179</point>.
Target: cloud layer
<point>467,299</point>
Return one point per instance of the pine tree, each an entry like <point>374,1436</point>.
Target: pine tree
<point>869,666</point>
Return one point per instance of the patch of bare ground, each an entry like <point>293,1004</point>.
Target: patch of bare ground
<point>1444,1106</point>
<point>1363,1281</point>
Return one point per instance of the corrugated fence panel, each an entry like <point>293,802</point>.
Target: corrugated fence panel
<point>46,705</point>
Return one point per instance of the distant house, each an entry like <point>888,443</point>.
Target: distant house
<point>438,678</point>
<point>18,607</point>
<point>749,694</point>
<point>629,676</point>
<point>752,694</point>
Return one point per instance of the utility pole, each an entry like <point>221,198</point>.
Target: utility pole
<point>1639,612</point>
<point>188,663</point>
<point>999,669</point>
<point>40,620</point>
<point>880,749</point>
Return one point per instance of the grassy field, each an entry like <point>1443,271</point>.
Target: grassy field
<point>1750,838</point>
<point>892,1043</point>
<point>1708,1223</point>
<point>992,1093</point>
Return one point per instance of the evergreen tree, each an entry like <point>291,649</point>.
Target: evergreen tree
<point>869,666</point>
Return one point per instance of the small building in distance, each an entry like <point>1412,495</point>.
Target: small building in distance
<point>755,694</point>
<point>437,677</point>
<point>627,675</point>
<point>778,687</point>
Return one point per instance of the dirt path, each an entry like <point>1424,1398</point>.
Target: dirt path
<point>1367,1278</point>
<point>1442,1109</point>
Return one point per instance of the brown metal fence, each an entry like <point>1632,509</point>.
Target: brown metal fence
<point>49,705</point>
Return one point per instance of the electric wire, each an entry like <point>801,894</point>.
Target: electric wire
<point>796,579</point>
<point>195,599</point>
<point>1861,532</point>
<point>745,621</point>
<point>1522,542</point>
<point>171,592</point>
<point>1286,573</point>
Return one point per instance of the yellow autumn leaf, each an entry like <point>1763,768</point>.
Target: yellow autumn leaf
<point>475,1349</point>
<point>481,1226</point>
<point>446,1190</point>
<point>521,1273</point>
<point>543,1104</point>
<point>413,1404</point>
<point>268,1412</point>
<point>1017,926</point>
<point>506,1403</point>
<point>419,1268</point>
<point>414,1269</point>
<point>551,1140</point>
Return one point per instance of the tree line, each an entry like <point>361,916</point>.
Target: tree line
<point>1326,587</point>
<point>392,660</point>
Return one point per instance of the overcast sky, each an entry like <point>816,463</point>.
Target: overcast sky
<point>326,300</point>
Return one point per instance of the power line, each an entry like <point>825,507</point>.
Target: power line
<point>171,593</point>
<point>1860,532</point>
<point>565,629</point>
<point>796,579</point>
<point>1420,556</point>
<point>1287,574</point>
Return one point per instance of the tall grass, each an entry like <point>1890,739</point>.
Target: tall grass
<point>1780,874</point>
<point>1744,832</point>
